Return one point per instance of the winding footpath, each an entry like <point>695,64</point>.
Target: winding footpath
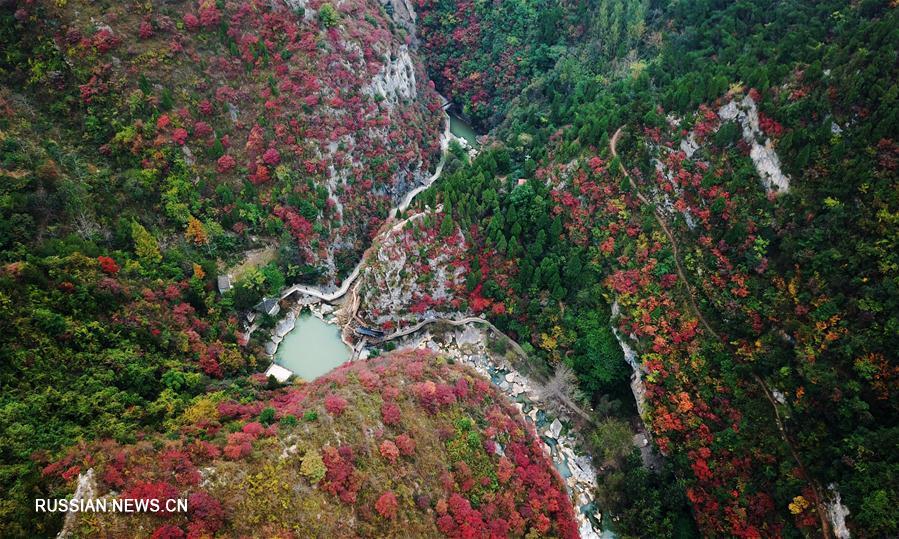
<point>386,229</point>
<point>691,296</point>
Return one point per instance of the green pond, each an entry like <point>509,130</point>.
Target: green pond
<point>312,348</point>
<point>461,129</point>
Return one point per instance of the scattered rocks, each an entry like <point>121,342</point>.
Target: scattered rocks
<point>469,347</point>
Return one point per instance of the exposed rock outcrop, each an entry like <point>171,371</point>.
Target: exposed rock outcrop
<point>396,80</point>
<point>763,155</point>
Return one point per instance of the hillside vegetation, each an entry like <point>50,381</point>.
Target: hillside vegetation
<point>709,184</point>
<point>143,148</point>
<point>400,445</point>
<point>746,233</point>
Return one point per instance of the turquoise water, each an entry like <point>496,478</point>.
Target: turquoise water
<point>312,348</point>
<point>461,129</point>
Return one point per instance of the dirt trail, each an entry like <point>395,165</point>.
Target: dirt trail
<point>691,296</point>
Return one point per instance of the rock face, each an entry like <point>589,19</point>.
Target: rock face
<point>396,80</point>
<point>837,513</point>
<point>403,13</point>
<point>299,7</point>
<point>630,356</point>
<point>651,459</point>
<point>390,293</point>
<point>689,145</point>
<point>86,490</point>
<point>763,155</point>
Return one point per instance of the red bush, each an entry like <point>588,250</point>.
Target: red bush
<point>335,405</point>
<point>341,479</point>
<point>108,265</point>
<point>405,444</point>
<point>387,505</point>
<point>239,445</point>
<point>146,30</point>
<point>204,507</point>
<point>152,490</point>
<point>389,451</point>
<point>191,22</point>
<point>253,429</point>
<point>168,531</point>
<point>224,164</point>
<point>179,136</point>
<point>271,157</point>
<point>390,413</point>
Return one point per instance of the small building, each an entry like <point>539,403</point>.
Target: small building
<point>268,306</point>
<point>280,373</point>
<point>224,283</point>
<point>368,332</point>
<point>522,181</point>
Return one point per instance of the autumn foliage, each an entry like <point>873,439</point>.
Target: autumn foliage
<point>346,460</point>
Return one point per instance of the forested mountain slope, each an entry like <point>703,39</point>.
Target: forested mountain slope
<point>143,148</point>
<point>401,445</point>
<point>699,195</point>
<point>748,241</point>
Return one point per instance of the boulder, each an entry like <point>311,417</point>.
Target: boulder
<point>555,428</point>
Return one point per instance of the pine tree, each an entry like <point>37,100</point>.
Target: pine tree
<point>145,244</point>
<point>555,231</point>
<point>513,247</point>
<point>501,245</point>
<point>446,227</point>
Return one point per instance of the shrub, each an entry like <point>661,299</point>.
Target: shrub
<point>108,265</point>
<point>225,163</point>
<point>313,467</point>
<point>386,506</point>
<point>389,451</point>
<point>168,531</point>
<point>390,413</point>
<point>328,15</point>
<point>405,444</point>
<point>267,416</point>
<point>335,405</point>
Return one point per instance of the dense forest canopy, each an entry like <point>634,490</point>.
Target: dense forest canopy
<point>798,288</point>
